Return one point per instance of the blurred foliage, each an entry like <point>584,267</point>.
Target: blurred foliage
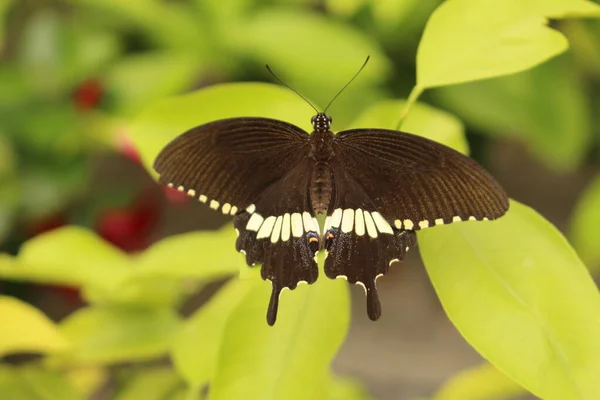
<point>80,78</point>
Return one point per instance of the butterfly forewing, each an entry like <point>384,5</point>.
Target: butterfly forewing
<point>229,163</point>
<point>415,182</point>
<point>256,169</point>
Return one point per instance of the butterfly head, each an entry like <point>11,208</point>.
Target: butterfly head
<point>321,122</point>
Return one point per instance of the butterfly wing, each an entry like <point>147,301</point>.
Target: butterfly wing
<point>256,169</point>
<point>415,182</point>
<point>387,185</point>
<point>229,163</point>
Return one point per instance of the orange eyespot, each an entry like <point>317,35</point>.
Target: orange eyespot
<point>330,236</point>
<point>312,240</point>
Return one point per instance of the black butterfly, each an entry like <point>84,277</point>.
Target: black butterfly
<point>376,187</point>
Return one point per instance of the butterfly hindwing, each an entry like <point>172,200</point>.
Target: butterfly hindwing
<point>417,183</point>
<point>360,243</point>
<point>279,233</point>
<point>229,163</point>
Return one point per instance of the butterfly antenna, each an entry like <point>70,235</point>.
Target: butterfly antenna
<point>288,86</point>
<point>353,78</point>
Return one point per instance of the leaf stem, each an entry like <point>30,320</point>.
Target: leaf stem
<point>412,97</point>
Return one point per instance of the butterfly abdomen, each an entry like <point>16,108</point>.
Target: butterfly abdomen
<point>321,187</point>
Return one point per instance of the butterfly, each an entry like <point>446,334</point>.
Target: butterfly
<point>376,188</point>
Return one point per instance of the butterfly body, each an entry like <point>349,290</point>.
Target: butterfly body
<point>376,187</point>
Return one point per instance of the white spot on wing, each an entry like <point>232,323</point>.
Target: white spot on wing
<point>398,224</point>
<point>439,221</point>
<point>327,225</point>
<point>170,185</point>
<point>363,286</point>
<point>286,228</point>
<point>424,224</point>
<point>266,228</point>
<point>283,289</point>
<point>344,277</point>
<point>180,189</point>
<point>226,208</point>
<point>371,229</point>
<point>251,208</point>
<point>472,218</point>
<point>348,220</point>
<point>214,204</point>
<point>243,252</point>
<point>390,264</point>
<point>336,218</point>
<point>317,227</point>
<point>203,198</point>
<point>191,193</point>
<point>485,219</point>
<point>255,222</point>
<point>382,224</point>
<point>408,224</point>
<point>308,222</point>
<point>234,210</point>
<point>456,219</point>
<point>297,228</point>
<point>302,283</point>
<point>275,235</point>
<point>359,222</point>
<point>237,232</point>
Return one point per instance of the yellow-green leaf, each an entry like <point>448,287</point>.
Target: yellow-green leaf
<point>69,255</point>
<point>288,360</point>
<point>27,330</point>
<point>33,382</point>
<point>585,225</point>
<point>466,40</point>
<point>423,120</point>
<point>196,359</point>
<point>521,297</point>
<point>106,335</point>
<point>483,382</point>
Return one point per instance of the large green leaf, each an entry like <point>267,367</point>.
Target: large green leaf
<point>423,120</point>
<point>585,225</point>
<point>465,40</point>
<point>545,107</point>
<point>521,297</point>
<point>196,347</point>
<point>290,359</point>
<point>161,123</point>
<point>106,335</point>
<point>151,384</point>
<point>314,54</point>
<point>483,382</point>
<point>69,255</point>
<point>139,80</point>
<point>26,329</point>
<point>32,382</point>
<point>200,255</point>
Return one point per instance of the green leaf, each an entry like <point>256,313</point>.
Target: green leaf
<point>4,5</point>
<point>314,54</point>
<point>107,335</point>
<point>139,80</point>
<point>483,382</point>
<point>69,255</point>
<point>545,107</point>
<point>27,330</point>
<point>336,388</point>
<point>423,120</point>
<point>171,257</point>
<point>31,382</point>
<point>196,347</point>
<point>465,40</point>
<point>164,121</point>
<point>521,297</point>
<point>585,225</point>
<point>288,360</point>
<point>151,384</point>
